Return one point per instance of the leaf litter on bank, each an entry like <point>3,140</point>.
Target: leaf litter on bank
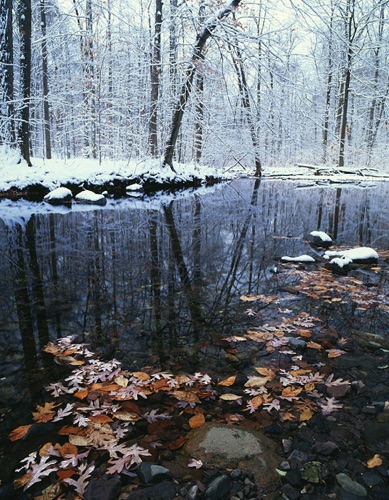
<point>108,411</point>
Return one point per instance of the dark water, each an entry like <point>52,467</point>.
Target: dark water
<point>157,281</point>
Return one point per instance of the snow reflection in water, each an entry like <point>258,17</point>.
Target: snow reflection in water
<point>158,281</point>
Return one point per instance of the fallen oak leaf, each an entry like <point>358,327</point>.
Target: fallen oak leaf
<point>101,418</point>
<point>19,432</point>
<point>186,396</point>
<point>197,421</point>
<point>314,345</point>
<point>176,444</point>
<point>266,372</point>
<point>228,381</point>
<point>306,414</point>
<point>45,413</point>
<point>195,463</point>
<point>230,397</point>
<point>376,461</point>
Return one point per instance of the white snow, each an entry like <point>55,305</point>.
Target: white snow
<point>134,187</point>
<point>300,258</point>
<point>56,172</point>
<point>89,196</point>
<point>58,194</point>
<point>361,253</point>
<point>321,235</point>
<point>341,261</point>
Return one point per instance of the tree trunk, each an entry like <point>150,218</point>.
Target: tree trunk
<point>7,131</point>
<point>155,76</point>
<point>24,15</point>
<point>244,92</point>
<point>45,83</point>
<point>186,88</point>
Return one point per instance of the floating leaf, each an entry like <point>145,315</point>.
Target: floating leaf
<point>126,416</point>
<point>314,345</point>
<point>374,462</point>
<point>196,421</point>
<point>19,432</point>
<point>101,418</point>
<point>44,413</point>
<point>306,414</point>
<point>230,397</point>
<point>255,382</point>
<point>228,381</point>
<point>187,397</point>
<point>122,381</point>
<point>143,376</point>
<point>291,392</point>
<point>68,449</point>
<point>195,463</point>
<point>81,394</point>
<point>266,372</point>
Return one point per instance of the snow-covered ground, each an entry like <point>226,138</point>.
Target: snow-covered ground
<point>56,172</point>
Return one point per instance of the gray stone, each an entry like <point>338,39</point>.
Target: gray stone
<point>351,486</point>
<point>325,448</point>
<point>218,488</point>
<point>224,446</point>
<point>150,473</point>
<point>162,491</point>
<point>297,343</point>
<point>104,488</point>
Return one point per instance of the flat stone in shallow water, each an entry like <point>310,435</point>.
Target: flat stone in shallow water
<point>224,446</point>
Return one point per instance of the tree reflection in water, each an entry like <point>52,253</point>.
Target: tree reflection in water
<point>157,282</point>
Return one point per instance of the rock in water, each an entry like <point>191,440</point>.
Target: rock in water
<point>347,484</point>
<point>223,446</point>
<point>59,196</point>
<point>91,198</point>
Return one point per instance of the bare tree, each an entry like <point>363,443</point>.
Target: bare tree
<point>155,75</point>
<point>24,18</point>
<point>197,55</point>
<point>7,131</point>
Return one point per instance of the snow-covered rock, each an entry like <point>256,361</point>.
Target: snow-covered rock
<point>59,196</point>
<point>135,187</point>
<point>339,265</point>
<point>360,255</point>
<point>321,239</point>
<point>91,198</point>
<point>300,258</point>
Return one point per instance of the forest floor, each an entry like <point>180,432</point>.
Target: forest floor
<point>115,178</point>
<point>304,371</point>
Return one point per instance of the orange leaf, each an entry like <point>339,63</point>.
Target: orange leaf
<point>19,432</point>
<point>68,429</point>
<point>81,394</point>
<point>105,387</point>
<point>174,445</point>
<point>23,480</point>
<point>304,333</point>
<point>197,421</point>
<point>100,419</point>
<point>306,414</point>
<point>68,449</point>
<point>160,384</point>
<point>64,474</point>
<point>45,413</point>
<point>314,345</point>
<point>291,392</point>
<point>266,372</point>
<point>310,387</point>
<point>187,397</point>
<point>256,402</point>
<point>228,381</point>
<point>143,376</point>
<point>374,462</point>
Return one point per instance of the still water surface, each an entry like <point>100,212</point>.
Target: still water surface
<point>158,281</point>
